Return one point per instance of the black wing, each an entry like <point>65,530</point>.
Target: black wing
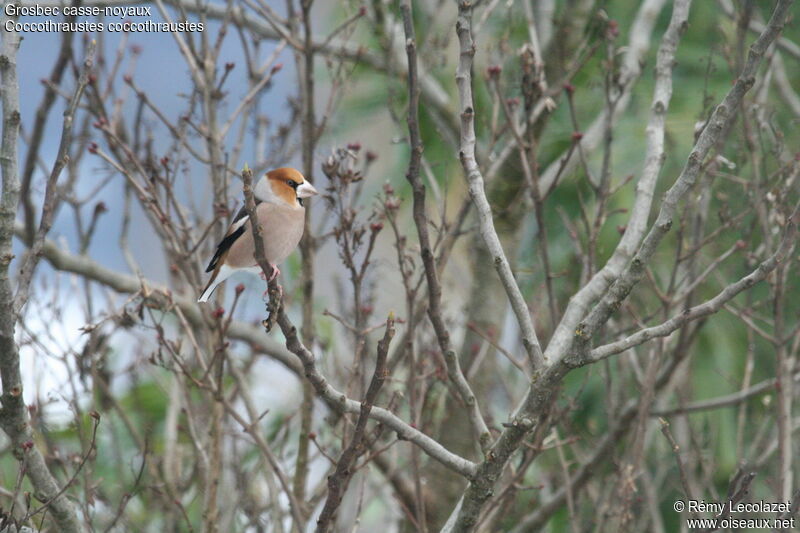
<point>226,243</point>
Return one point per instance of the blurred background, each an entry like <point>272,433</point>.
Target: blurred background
<point>123,373</point>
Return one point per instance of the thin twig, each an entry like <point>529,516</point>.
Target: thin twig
<point>687,489</point>
<point>338,481</point>
<point>49,206</point>
<point>717,124</point>
<point>426,250</point>
<point>702,310</point>
<point>475,183</point>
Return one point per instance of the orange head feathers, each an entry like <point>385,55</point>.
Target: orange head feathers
<point>285,185</point>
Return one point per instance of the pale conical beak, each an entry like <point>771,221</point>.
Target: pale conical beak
<point>305,190</point>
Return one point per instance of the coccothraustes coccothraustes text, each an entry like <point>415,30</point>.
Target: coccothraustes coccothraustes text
<point>279,208</point>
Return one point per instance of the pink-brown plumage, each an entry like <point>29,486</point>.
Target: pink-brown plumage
<point>280,212</point>
<point>282,229</point>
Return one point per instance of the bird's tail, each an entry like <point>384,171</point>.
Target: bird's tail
<point>217,277</point>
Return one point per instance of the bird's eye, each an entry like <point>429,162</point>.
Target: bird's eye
<point>293,184</point>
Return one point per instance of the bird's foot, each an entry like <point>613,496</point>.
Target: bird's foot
<point>274,274</point>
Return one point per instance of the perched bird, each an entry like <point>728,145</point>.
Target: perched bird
<point>279,208</point>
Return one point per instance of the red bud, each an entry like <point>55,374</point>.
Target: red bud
<point>613,28</point>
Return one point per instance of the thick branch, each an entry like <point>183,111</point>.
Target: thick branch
<point>14,418</point>
<point>719,121</point>
<point>476,188</point>
<point>645,188</point>
<point>426,249</point>
<point>699,311</point>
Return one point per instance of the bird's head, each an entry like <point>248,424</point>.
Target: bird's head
<point>284,185</point>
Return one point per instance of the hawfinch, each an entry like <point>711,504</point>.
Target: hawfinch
<point>279,208</point>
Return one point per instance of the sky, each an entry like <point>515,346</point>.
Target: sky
<point>162,73</point>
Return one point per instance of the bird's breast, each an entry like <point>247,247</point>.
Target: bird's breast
<point>282,229</point>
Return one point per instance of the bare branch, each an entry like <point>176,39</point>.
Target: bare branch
<point>338,481</point>
<point>421,221</point>
<point>163,298</point>
<point>476,189</point>
<point>645,187</point>
<point>699,311</point>
<point>717,123</point>
<point>14,418</point>
<point>340,403</point>
<point>49,207</point>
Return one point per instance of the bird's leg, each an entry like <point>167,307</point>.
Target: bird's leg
<point>274,274</point>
